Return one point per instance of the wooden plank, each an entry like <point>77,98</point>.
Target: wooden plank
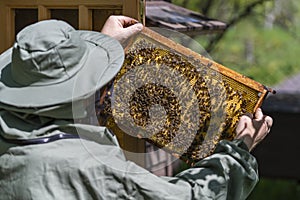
<point>142,12</point>
<point>81,2</point>
<point>131,8</point>
<point>44,13</point>
<point>85,18</point>
<point>66,3</point>
<point>10,23</point>
<point>134,149</point>
<point>3,27</point>
<point>100,16</point>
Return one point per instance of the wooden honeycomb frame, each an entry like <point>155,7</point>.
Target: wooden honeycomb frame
<point>242,95</point>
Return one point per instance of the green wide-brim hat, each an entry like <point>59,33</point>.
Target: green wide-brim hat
<point>51,63</point>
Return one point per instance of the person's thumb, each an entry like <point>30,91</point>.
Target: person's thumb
<point>258,114</point>
<point>133,29</point>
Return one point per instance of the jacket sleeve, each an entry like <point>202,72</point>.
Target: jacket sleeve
<point>230,173</point>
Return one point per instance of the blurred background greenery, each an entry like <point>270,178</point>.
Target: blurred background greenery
<point>262,42</point>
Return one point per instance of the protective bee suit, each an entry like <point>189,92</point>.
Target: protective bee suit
<point>84,169</point>
<point>45,154</point>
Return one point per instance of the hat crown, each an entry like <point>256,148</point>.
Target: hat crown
<point>48,52</point>
<point>44,35</point>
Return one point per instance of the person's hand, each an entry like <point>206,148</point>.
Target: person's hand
<point>121,28</point>
<point>253,129</point>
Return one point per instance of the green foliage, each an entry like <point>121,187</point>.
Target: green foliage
<point>275,52</point>
<point>263,44</point>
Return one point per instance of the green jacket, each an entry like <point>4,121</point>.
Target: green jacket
<point>84,169</point>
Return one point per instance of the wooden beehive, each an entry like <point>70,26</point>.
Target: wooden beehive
<point>177,99</point>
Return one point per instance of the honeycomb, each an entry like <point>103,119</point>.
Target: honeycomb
<point>177,99</point>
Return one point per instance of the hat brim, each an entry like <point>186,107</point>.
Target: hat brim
<point>104,60</point>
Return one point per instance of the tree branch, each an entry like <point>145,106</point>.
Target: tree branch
<point>246,12</point>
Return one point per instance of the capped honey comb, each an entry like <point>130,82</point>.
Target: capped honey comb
<point>177,99</point>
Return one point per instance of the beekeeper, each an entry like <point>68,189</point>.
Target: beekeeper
<point>45,154</point>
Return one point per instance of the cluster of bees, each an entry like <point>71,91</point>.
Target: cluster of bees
<point>186,116</point>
